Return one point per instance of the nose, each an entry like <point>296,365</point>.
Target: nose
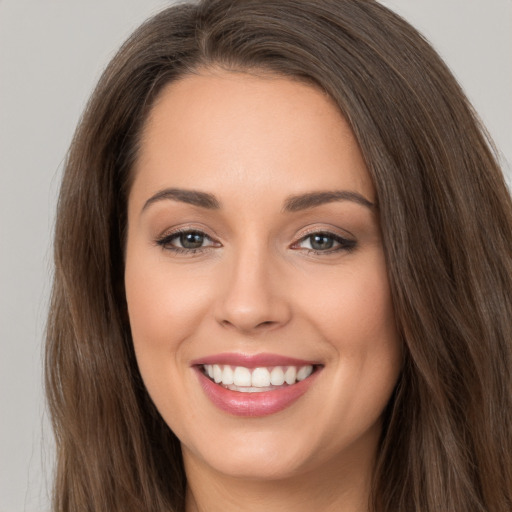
<point>254,299</point>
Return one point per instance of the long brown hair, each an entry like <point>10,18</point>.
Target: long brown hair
<point>446,218</point>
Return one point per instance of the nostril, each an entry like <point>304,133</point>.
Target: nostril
<point>261,326</point>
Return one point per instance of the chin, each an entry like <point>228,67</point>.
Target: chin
<point>256,456</point>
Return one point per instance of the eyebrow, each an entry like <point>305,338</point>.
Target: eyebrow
<point>313,199</point>
<point>194,197</point>
<point>292,204</point>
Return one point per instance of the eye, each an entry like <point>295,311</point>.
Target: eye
<point>186,241</point>
<point>324,242</point>
<point>190,240</point>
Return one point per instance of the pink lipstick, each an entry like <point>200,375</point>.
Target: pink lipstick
<point>254,385</point>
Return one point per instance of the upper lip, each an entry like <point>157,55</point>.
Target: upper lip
<point>252,360</point>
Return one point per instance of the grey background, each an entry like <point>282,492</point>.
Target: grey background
<point>51,54</point>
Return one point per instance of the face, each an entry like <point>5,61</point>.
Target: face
<point>256,280</point>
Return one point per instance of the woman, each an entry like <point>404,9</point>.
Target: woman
<point>283,273</point>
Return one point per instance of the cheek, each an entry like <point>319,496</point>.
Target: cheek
<point>352,307</point>
<point>164,303</point>
<point>356,319</point>
<point>165,306</point>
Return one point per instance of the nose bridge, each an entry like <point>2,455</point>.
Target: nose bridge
<point>253,299</point>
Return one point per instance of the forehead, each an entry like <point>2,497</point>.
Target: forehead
<point>216,128</point>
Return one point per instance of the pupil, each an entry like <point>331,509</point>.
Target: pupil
<point>321,242</point>
<point>191,240</point>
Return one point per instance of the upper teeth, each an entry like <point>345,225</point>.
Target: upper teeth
<point>257,377</point>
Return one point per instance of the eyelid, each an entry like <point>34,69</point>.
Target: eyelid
<point>186,228</point>
<point>325,229</point>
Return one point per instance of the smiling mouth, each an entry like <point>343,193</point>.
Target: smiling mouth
<point>256,380</point>
<point>255,385</point>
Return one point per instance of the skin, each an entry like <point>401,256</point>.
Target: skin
<point>256,286</point>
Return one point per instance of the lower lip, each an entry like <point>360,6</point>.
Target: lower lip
<point>254,404</point>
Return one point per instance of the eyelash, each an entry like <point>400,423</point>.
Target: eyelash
<point>165,242</point>
<point>344,244</point>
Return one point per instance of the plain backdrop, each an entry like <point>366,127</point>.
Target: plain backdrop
<point>51,54</point>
